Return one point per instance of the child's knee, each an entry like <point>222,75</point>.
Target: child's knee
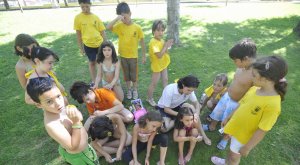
<point>194,132</point>
<point>129,118</point>
<point>182,133</point>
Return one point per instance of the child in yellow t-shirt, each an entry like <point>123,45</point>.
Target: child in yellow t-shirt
<point>159,57</point>
<point>258,110</point>
<point>90,34</point>
<point>130,34</point>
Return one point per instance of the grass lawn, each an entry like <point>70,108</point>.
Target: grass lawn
<point>207,33</point>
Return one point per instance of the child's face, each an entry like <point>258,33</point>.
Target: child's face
<point>46,65</point>
<point>90,97</point>
<point>85,8</point>
<point>52,101</point>
<point>107,52</point>
<point>187,120</point>
<point>152,125</point>
<point>127,18</point>
<point>159,33</point>
<point>218,86</point>
<point>187,90</point>
<point>238,63</point>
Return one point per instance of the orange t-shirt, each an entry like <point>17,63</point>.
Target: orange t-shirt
<point>104,100</point>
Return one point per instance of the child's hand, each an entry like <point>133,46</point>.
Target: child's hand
<point>119,155</point>
<point>99,113</point>
<point>108,158</point>
<point>207,141</point>
<point>120,17</point>
<point>169,43</point>
<point>193,139</point>
<point>224,122</point>
<point>73,113</point>
<point>244,151</point>
<point>137,163</point>
<point>109,86</point>
<point>147,162</point>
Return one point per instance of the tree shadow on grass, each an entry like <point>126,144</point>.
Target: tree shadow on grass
<point>204,53</point>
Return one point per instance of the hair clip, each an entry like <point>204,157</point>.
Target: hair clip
<point>37,51</point>
<point>109,134</point>
<point>282,80</point>
<point>267,66</point>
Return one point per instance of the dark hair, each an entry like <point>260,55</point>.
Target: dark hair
<point>42,53</point>
<point>150,116</point>
<point>101,128</point>
<point>122,8</point>
<point>37,86</point>
<point>100,55</point>
<point>273,68</point>
<point>222,77</point>
<point>78,90</point>
<point>189,81</point>
<point>84,1</point>
<point>158,24</point>
<point>245,47</point>
<point>22,41</point>
<point>183,111</point>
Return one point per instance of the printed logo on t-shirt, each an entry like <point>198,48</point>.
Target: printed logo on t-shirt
<point>255,110</point>
<point>134,34</point>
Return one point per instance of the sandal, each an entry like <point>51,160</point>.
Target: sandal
<point>222,144</point>
<point>217,161</point>
<point>186,160</point>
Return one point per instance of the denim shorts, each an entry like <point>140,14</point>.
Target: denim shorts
<point>91,53</point>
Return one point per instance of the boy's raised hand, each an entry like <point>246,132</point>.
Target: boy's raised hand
<point>120,17</point>
<point>169,43</point>
<point>73,113</point>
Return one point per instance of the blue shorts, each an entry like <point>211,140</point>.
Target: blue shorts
<point>164,114</point>
<point>91,53</point>
<point>224,108</point>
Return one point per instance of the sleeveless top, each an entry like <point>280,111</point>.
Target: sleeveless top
<point>109,70</point>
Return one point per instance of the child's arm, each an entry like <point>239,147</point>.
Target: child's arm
<point>116,76</point>
<point>198,125</point>
<point>98,147</point>
<point>197,107</point>
<point>178,138</point>
<point>20,71</point>
<point>99,76</point>
<point>255,139</point>
<point>149,146</point>
<point>79,41</point>
<point>167,45</point>
<point>142,43</point>
<point>134,143</point>
<point>69,141</point>
<point>170,111</point>
<point>123,133</point>
<point>113,22</point>
<point>103,34</point>
<point>118,106</point>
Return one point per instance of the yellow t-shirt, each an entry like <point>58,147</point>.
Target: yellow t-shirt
<point>254,112</point>
<point>129,37</point>
<point>90,27</point>
<point>210,90</point>
<point>158,64</point>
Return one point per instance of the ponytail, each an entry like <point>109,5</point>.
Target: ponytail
<point>281,88</point>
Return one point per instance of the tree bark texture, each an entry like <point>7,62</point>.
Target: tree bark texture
<point>173,7</point>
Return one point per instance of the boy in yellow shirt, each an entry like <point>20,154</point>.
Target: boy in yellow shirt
<point>129,34</point>
<point>90,34</point>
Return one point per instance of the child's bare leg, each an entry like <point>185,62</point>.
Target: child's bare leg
<point>119,92</point>
<point>233,158</point>
<point>126,115</point>
<point>92,68</point>
<point>135,85</point>
<point>181,133</point>
<point>154,81</point>
<point>162,155</point>
<point>164,77</point>
<point>168,124</point>
<point>188,156</point>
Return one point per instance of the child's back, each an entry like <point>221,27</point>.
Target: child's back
<point>240,84</point>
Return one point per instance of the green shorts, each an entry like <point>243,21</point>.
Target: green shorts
<point>88,156</point>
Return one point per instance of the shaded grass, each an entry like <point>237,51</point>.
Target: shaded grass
<point>203,52</point>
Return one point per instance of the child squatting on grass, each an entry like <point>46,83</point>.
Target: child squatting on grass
<point>109,69</point>
<point>258,111</point>
<point>144,135</point>
<point>43,59</point>
<point>62,123</point>
<point>186,129</point>
<point>109,136</point>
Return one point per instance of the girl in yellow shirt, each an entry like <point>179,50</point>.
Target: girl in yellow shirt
<point>159,57</point>
<point>258,110</point>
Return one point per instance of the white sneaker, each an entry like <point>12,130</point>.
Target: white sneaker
<point>151,102</point>
<point>135,94</point>
<point>129,94</point>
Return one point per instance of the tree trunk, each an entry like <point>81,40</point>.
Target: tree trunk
<point>6,4</point>
<point>66,3</point>
<point>173,20</point>
<point>21,8</point>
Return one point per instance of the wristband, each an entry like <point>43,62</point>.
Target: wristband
<point>77,126</point>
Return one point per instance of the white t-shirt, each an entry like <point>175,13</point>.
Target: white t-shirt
<point>172,98</point>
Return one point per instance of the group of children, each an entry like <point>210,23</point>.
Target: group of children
<point>247,109</point>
